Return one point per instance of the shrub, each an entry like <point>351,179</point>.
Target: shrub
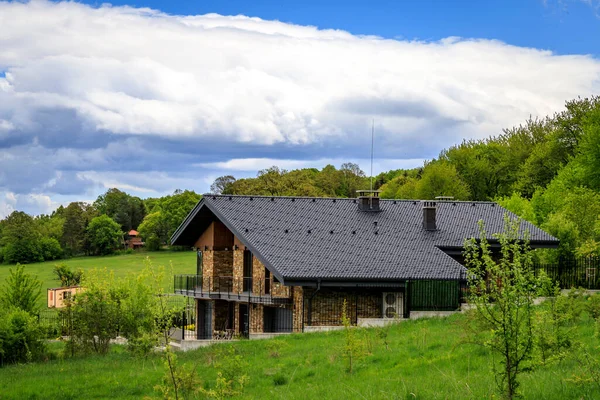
<point>153,243</point>
<point>67,276</point>
<point>123,252</point>
<point>50,249</point>
<point>593,306</point>
<point>23,251</point>
<point>21,290</point>
<point>21,337</point>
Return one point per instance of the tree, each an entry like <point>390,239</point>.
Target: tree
<point>441,179</point>
<point>77,216</point>
<point>21,239</point>
<point>166,214</point>
<point>104,235</point>
<point>21,337</point>
<point>521,206</point>
<point>128,211</point>
<point>21,290</point>
<point>67,276</point>
<point>222,185</point>
<point>352,178</point>
<point>502,289</point>
<point>154,230</point>
<point>590,149</point>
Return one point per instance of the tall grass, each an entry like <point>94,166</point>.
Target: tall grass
<point>427,359</point>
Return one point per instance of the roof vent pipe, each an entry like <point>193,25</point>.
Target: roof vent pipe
<point>368,200</point>
<point>429,214</point>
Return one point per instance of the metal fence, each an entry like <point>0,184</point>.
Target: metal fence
<point>53,323</point>
<point>184,323</point>
<point>569,273</point>
<point>436,295</point>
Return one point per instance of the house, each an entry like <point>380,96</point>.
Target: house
<point>133,240</point>
<point>289,264</point>
<point>57,296</point>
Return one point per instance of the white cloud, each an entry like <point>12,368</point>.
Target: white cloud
<point>149,102</point>
<point>33,203</point>
<point>126,70</point>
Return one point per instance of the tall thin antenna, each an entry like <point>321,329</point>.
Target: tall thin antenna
<point>372,141</point>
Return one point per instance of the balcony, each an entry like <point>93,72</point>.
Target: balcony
<point>243,289</point>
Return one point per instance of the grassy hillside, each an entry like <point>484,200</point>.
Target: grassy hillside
<point>183,263</point>
<point>426,359</point>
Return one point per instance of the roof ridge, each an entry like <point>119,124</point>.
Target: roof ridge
<point>262,196</point>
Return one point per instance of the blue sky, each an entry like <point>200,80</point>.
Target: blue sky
<point>565,27</point>
<point>94,96</point>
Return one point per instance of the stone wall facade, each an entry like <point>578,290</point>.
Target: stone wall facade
<point>279,290</point>
<point>207,270</point>
<point>326,307</point>
<point>256,318</point>
<point>258,277</point>
<point>298,308</point>
<point>238,271</point>
<point>223,270</point>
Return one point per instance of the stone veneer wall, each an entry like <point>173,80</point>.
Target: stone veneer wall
<point>207,270</point>
<point>279,290</point>
<point>236,319</point>
<point>258,277</point>
<point>256,318</point>
<point>238,271</point>
<point>327,306</point>
<point>217,263</point>
<point>298,307</point>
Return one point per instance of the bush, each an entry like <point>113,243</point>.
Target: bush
<point>21,337</point>
<point>153,243</point>
<point>593,306</point>
<point>21,290</point>
<point>23,251</point>
<point>50,249</point>
<point>123,252</point>
<point>67,276</point>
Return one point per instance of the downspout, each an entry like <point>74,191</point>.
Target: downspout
<point>310,302</point>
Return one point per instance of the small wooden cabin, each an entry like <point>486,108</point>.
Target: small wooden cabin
<point>57,296</point>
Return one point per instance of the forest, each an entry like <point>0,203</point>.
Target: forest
<point>546,170</point>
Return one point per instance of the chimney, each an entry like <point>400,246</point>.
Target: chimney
<point>368,200</point>
<point>429,210</point>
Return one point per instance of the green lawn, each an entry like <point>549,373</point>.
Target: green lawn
<point>182,262</point>
<point>426,359</point>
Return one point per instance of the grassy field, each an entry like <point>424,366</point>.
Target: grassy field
<point>426,359</point>
<point>182,262</point>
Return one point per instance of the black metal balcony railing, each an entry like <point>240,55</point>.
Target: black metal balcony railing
<point>228,288</point>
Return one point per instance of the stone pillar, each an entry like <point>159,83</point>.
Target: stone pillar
<point>256,318</point>
<point>207,270</point>
<point>236,319</point>
<point>298,307</point>
<point>238,271</point>
<point>258,277</point>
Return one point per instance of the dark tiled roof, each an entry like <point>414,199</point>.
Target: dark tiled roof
<point>312,238</point>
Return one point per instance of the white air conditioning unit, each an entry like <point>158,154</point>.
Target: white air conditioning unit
<point>393,305</point>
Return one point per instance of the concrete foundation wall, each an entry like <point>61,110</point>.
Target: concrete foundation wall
<point>430,314</point>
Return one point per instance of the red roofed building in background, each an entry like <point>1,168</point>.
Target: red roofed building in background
<point>133,240</point>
